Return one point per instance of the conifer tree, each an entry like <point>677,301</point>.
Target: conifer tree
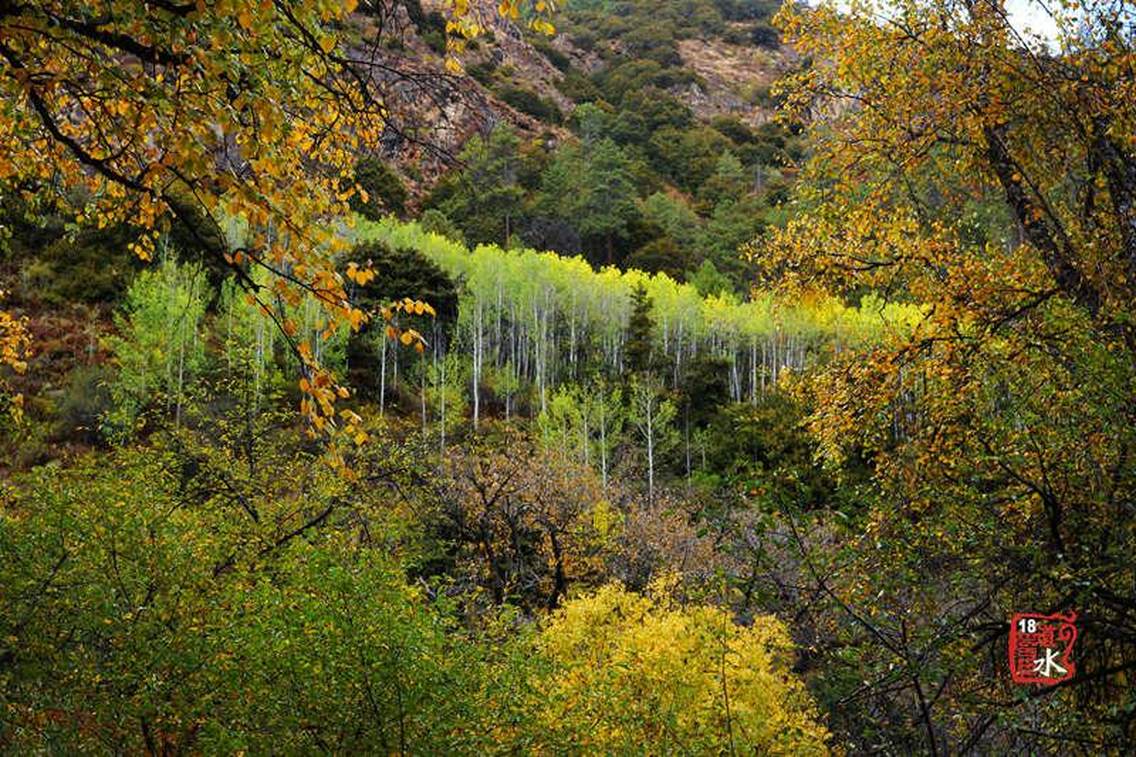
<point>608,203</point>
<point>640,330</point>
<point>485,198</point>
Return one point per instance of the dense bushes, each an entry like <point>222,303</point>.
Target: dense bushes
<point>58,265</point>
<point>92,266</point>
<point>431,26</point>
<point>145,610</point>
<point>86,403</point>
<point>555,57</point>
<point>140,621</point>
<point>529,102</point>
<point>482,72</point>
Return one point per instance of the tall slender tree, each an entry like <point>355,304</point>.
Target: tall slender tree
<point>652,416</point>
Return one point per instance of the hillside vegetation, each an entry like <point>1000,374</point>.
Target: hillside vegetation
<point>693,376</point>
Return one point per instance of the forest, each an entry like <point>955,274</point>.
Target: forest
<point>607,377</point>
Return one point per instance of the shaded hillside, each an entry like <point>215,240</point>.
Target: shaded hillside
<point>678,63</point>
<point>658,151</point>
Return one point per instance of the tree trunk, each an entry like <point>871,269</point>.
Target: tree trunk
<point>382,375</point>
<point>650,452</point>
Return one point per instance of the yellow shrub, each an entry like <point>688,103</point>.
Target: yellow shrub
<point>633,673</point>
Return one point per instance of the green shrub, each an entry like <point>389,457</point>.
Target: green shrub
<point>385,191</point>
<point>554,56</point>
<point>578,87</point>
<point>687,156</point>
<point>434,221</point>
<point>708,280</point>
<point>654,42</point>
<point>531,103</point>
<point>764,34</point>
<point>747,10</point>
<point>91,266</point>
<point>482,72</point>
<point>584,40</point>
<point>431,26</point>
<point>662,255</point>
<point>435,40</point>
<point>85,403</point>
<point>734,128</point>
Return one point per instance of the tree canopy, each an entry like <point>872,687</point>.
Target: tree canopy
<point>628,491</point>
<point>971,170</point>
<point>134,113</point>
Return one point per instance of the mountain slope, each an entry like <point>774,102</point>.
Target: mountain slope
<point>716,59</point>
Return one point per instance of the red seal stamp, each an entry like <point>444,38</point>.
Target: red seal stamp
<point>1041,647</point>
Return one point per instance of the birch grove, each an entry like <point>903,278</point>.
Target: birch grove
<point>530,322</point>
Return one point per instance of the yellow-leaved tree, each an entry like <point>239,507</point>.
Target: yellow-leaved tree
<point>14,343</point>
<point>126,112</point>
<point>629,672</point>
<point>989,177</point>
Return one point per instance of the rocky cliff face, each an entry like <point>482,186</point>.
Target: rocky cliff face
<point>432,111</point>
<point>515,75</point>
<point>735,80</point>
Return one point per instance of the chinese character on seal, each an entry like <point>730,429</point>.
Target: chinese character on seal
<point>1041,647</point>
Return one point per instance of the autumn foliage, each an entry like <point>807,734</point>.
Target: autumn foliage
<point>989,180</point>
<point>570,507</point>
